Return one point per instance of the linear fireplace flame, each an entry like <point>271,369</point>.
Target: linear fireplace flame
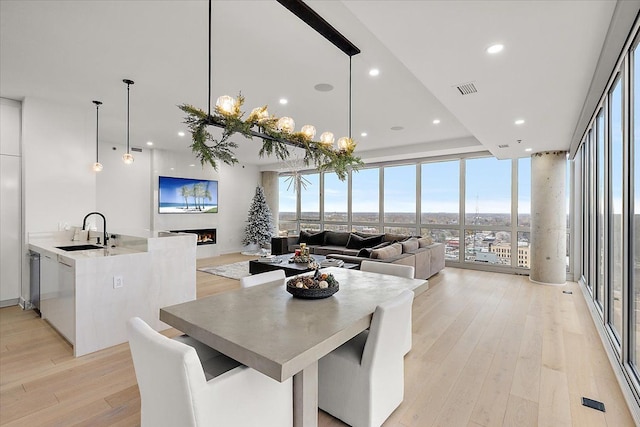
<point>206,236</point>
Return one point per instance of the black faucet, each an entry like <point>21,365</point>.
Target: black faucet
<point>104,229</point>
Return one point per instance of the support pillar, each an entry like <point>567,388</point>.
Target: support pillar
<point>271,193</point>
<point>548,218</point>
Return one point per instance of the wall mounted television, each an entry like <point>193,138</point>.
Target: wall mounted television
<point>187,196</point>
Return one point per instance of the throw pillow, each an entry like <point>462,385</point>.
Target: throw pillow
<point>311,238</point>
<point>364,253</point>
<point>357,242</point>
<point>410,245</point>
<point>336,238</point>
<point>425,241</point>
<point>390,251</point>
<point>381,245</point>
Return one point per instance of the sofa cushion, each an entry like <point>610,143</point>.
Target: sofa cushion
<point>336,238</point>
<point>389,251</point>
<point>311,238</point>
<point>425,241</point>
<point>410,245</point>
<point>357,242</point>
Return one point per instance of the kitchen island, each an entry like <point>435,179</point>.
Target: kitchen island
<point>88,295</point>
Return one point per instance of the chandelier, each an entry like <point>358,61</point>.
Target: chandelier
<point>277,133</point>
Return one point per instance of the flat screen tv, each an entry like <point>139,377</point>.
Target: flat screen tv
<point>187,196</point>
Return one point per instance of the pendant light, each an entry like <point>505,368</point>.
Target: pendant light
<point>127,157</point>
<point>97,166</point>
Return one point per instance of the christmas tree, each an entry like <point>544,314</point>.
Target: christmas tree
<point>260,227</point>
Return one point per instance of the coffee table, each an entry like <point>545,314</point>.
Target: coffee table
<point>290,268</point>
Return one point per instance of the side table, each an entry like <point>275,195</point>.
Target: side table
<point>279,245</point>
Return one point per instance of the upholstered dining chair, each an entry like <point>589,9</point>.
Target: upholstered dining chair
<point>175,389</point>
<point>275,276</point>
<point>399,270</point>
<point>362,381</point>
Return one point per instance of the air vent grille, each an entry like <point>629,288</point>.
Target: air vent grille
<point>503,146</point>
<point>136,149</point>
<point>467,88</point>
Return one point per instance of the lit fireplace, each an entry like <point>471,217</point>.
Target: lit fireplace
<point>206,236</point>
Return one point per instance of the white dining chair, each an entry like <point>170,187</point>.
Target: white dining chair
<point>398,270</point>
<point>269,277</point>
<point>174,389</point>
<point>362,381</point>
<point>406,271</point>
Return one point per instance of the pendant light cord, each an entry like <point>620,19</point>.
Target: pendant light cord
<point>97,125</point>
<point>128,118</point>
<point>350,96</point>
<point>209,56</point>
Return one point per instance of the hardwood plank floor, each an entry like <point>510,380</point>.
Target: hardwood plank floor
<point>488,349</point>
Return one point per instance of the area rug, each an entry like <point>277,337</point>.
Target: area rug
<point>237,270</point>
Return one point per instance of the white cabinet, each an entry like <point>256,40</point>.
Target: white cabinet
<point>10,203</point>
<point>57,294</point>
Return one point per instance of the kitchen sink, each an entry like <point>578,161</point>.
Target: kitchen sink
<point>79,247</point>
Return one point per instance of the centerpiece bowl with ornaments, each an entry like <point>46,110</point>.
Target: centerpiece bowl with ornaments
<point>320,285</point>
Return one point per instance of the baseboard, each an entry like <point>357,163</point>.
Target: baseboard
<point>10,302</point>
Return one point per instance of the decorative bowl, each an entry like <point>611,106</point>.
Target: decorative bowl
<point>310,287</point>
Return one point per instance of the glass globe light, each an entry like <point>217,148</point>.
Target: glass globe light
<point>343,143</point>
<point>286,124</point>
<point>309,131</point>
<point>97,167</point>
<point>327,138</point>
<point>226,104</point>
<point>127,158</point>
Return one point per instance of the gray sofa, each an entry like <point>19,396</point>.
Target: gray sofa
<point>426,257</point>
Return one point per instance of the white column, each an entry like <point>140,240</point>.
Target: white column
<point>270,185</point>
<point>548,218</point>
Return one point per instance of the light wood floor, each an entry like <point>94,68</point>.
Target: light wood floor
<point>488,349</point>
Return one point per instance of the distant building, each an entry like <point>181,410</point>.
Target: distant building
<point>503,251</point>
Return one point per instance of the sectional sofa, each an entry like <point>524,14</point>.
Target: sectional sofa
<point>421,253</point>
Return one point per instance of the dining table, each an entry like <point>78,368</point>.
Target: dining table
<point>266,328</point>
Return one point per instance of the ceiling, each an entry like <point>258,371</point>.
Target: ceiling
<point>72,52</point>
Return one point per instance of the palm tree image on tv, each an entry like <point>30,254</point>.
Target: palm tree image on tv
<point>182,195</point>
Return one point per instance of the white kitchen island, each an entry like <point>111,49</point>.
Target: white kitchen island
<point>89,295</point>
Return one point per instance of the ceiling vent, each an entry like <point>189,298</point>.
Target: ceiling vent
<point>467,88</point>
<point>503,146</point>
<point>136,149</point>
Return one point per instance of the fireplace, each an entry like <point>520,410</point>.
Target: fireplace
<point>206,236</point>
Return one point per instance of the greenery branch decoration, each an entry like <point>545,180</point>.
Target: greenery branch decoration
<point>276,134</point>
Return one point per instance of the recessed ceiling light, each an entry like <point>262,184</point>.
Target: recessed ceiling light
<point>519,122</point>
<point>495,48</point>
<point>397,128</point>
<point>180,133</point>
<point>363,134</point>
<point>283,101</point>
<point>171,168</point>
<point>527,149</point>
<point>192,165</point>
<point>374,72</point>
<point>323,87</point>
<point>436,121</point>
<point>149,142</point>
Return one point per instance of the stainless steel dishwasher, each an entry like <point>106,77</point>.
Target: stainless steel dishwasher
<point>34,281</point>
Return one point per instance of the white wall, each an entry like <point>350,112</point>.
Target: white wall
<point>236,186</point>
<point>124,191</point>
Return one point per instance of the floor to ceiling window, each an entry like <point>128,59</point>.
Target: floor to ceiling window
<point>426,198</point>
<point>615,215</point>
<point>440,204</point>
<point>609,163</point>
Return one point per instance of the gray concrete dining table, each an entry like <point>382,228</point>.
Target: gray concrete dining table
<point>269,330</point>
